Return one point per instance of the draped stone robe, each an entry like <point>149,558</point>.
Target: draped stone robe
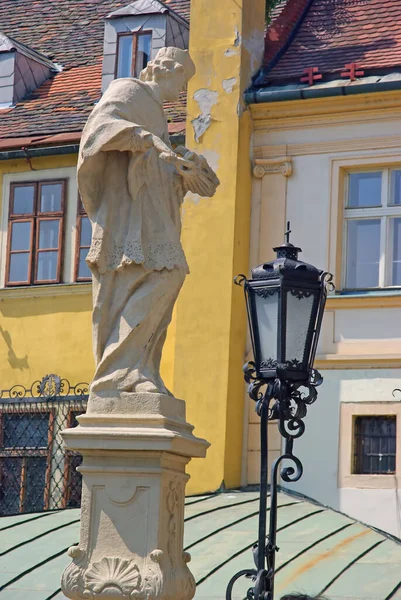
<point>132,198</point>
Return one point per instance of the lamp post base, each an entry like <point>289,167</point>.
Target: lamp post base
<point>133,490</point>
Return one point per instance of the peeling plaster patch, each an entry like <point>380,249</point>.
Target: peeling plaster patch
<point>205,99</point>
<point>236,44</point>
<point>255,46</point>
<point>238,39</point>
<point>212,158</point>
<point>228,84</point>
<point>190,197</point>
<point>231,52</point>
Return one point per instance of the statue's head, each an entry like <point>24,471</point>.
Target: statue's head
<point>171,68</point>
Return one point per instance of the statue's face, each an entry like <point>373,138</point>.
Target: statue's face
<point>174,84</point>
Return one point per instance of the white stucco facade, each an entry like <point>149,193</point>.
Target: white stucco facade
<point>303,152</point>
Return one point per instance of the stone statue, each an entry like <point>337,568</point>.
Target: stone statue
<point>132,185</point>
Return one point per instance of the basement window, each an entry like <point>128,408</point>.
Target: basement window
<point>375,445</point>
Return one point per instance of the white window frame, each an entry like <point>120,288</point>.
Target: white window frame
<point>70,223</point>
<point>385,213</point>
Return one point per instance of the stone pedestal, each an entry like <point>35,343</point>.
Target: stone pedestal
<point>135,448</point>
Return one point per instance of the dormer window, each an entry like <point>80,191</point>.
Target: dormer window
<point>22,70</point>
<point>134,53</point>
<point>135,33</point>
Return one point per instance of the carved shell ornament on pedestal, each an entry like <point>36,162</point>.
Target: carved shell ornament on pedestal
<point>112,577</point>
<point>113,573</point>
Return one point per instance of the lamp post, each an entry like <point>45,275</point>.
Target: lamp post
<point>285,300</point>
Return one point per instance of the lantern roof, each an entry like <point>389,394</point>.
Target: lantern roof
<point>287,265</point>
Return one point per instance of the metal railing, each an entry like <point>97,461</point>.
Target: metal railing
<point>36,472</point>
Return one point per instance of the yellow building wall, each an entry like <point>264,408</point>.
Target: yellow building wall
<point>41,335</point>
<point>226,44</point>
<point>205,348</point>
<point>47,329</point>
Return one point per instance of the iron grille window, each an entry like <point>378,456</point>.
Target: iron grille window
<point>36,472</point>
<point>375,445</point>
<point>25,453</point>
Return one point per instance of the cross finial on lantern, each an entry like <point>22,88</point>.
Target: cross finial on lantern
<point>287,233</point>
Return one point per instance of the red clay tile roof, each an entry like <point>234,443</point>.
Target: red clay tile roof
<point>336,32</point>
<point>69,32</point>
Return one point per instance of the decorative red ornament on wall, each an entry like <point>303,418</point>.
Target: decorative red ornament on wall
<point>352,71</point>
<point>311,75</point>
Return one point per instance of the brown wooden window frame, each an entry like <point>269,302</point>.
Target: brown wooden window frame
<point>35,218</point>
<point>135,35</point>
<point>81,213</point>
<point>24,452</point>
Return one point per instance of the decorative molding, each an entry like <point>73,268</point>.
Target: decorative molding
<point>270,166</point>
<point>36,291</point>
<point>315,112</point>
<point>113,573</point>
<point>112,577</point>
<point>357,361</point>
<point>328,147</point>
<point>358,301</point>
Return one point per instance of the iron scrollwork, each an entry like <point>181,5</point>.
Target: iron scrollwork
<point>286,402</point>
<point>50,387</point>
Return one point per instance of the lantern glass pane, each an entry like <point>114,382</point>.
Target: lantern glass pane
<point>266,303</point>
<point>298,322</point>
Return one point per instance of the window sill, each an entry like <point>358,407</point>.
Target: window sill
<point>384,481</point>
<point>385,298</point>
<point>41,291</point>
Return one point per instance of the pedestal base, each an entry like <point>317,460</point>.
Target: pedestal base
<point>132,510</point>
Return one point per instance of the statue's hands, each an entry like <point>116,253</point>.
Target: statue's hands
<point>194,169</point>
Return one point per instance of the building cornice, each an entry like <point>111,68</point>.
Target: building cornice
<point>327,111</point>
<point>328,147</point>
<point>339,302</point>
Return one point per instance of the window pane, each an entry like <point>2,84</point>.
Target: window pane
<point>21,236</point>
<point>86,232</point>
<point>363,253</point>
<point>267,314</point>
<point>23,200</point>
<point>142,56</point>
<point>298,317</point>
<point>364,189</point>
<point>124,64</point>
<point>50,197</point>
<point>396,258</point>
<point>34,484</point>
<point>395,187</point>
<point>10,485</point>
<point>48,234</point>
<point>19,267</point>
<point>29,430</point>
<point>83,269</point>
<point>47,266</point>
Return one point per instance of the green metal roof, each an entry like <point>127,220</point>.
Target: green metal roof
<point>321,551</point>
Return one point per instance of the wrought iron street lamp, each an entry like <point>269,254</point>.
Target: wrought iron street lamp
<point>285,301</point>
